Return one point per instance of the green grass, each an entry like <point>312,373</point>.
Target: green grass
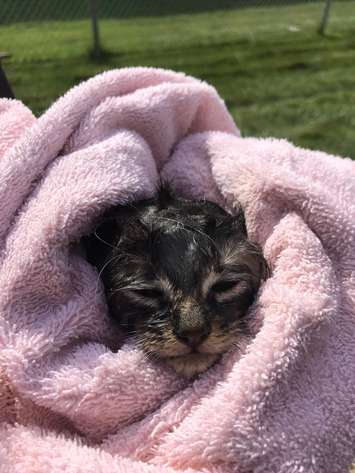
<point>277,75</point>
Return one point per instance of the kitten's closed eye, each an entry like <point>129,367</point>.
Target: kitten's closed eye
<point>223,286</point>
<point>180,278</point>
<point>228,291</point>
<point>144,296</point>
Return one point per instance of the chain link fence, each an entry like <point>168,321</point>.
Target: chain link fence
<point>22,11</point>
<point>18,11</point>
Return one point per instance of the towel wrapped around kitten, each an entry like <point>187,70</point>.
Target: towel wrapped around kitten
<point>282,402</point>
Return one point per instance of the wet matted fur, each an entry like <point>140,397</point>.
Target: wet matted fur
<point>179,277</point>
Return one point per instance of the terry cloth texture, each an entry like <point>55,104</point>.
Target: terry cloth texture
<point>74,395</point>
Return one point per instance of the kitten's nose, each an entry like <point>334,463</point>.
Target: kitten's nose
<point>192,338</point>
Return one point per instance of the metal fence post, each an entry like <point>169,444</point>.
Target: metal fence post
<point>5,88</point>
<point>325,17</point>
<point>96,50</point>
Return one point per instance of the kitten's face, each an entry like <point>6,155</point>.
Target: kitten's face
<point>180,276</point>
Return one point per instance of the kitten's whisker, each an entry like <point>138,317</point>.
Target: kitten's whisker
<point>102,240</point>
<point>119,289</point>
<point>149,355</point>
<point>102,270</point>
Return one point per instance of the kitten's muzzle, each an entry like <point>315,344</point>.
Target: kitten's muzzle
<point>191,327</point>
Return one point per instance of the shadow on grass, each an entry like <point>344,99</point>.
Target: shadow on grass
<point>101,56</point>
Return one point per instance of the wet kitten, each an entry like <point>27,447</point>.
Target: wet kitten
<point>179,276</point>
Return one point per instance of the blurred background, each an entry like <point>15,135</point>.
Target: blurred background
<point>285,68</point>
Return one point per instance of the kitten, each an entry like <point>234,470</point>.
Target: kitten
<point>179,277</point>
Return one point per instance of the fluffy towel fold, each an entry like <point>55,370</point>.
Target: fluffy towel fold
<point>74,396</point>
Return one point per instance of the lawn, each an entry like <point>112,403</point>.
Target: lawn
<point>276,74</point>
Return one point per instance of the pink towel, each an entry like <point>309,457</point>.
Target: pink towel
<point>75,397</point>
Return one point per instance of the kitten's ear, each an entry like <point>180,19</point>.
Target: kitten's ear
<point>117,223</point>
<point>239,221</point>
<point>109,226</point>
<point>99,244</point>
<point>123,222</point>
<point>265,269</point>
<point>105,235</point>
<point>232,224</point>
